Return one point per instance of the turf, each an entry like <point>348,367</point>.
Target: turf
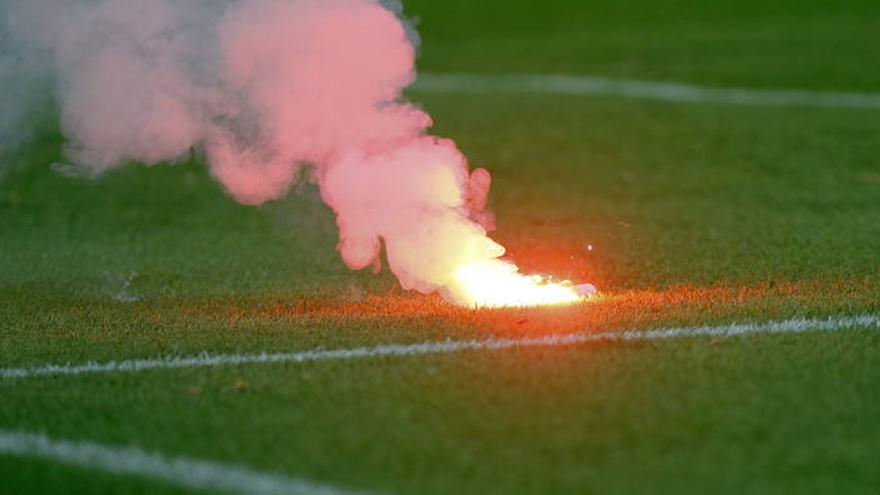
<point>680,213</point>
<point>788,43</point>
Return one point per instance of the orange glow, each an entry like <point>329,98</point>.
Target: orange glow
<point>493,283</point>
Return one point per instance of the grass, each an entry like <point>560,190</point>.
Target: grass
<point>801,44</point>
<point>696,214</point>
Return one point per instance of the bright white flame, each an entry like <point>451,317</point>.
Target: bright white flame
<point>496,283</point>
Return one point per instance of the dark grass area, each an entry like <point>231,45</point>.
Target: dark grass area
<point>66,479</point>
<point>756,413</point>
<point>681,214</point>
<point>801,44</point>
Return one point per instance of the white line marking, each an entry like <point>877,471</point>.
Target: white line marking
<point>795,325</point>
<point>181,471</point>
<point>651,90</point>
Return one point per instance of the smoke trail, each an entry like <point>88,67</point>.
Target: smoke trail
<point>262,88</point>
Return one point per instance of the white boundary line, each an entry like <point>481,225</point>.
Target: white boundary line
<point>795,325</point>
<point>181,471</point>
<point>651,90</point>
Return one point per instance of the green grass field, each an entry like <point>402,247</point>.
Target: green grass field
<point>697,214</point>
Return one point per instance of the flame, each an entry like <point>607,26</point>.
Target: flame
<point>497,283</point>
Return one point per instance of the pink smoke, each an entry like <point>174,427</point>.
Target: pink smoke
<point>263,88</point>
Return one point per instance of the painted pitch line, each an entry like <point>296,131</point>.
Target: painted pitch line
<point>651,90</point>
<point>180,471</point>
<point>795,325</point>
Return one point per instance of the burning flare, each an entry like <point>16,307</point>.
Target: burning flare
<point>483,280</point>
<point>498,283</point>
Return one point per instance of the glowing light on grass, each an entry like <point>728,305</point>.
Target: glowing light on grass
<point>497,283</point>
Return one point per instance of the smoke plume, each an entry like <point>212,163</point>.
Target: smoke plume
<point>261,88</point>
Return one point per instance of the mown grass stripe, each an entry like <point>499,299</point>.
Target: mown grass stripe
<point>652,90</point>
<point>180,471</point>
<point>794,325</point>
